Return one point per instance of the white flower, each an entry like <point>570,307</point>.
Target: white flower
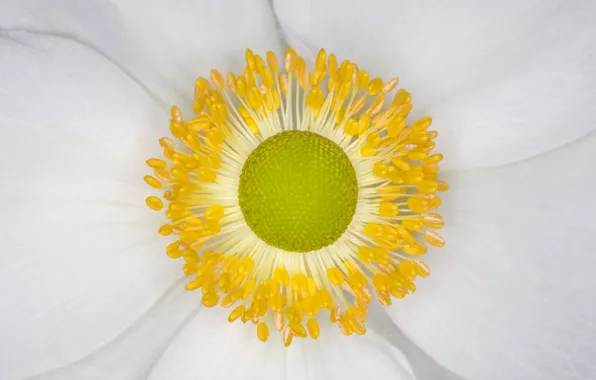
<point>85,89</point>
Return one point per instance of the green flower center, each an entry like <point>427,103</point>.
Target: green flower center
<point>298,191</point>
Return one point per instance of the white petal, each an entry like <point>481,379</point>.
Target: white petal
<point>512,294</point>
<point>133,353</point>
<point>166,44</point>
<point>81,259</point>
<point>211,348</point>
<point>503,81</point>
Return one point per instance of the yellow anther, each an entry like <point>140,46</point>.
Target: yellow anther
<point>375,87</point>
<point>427,186</point>
<point>217,79</point>
<point>315,98</point>
<point>287,336</point>
<point>400,164</point>
<point>283,82</point>
<point>380,169</point>
<point>263,331</point>
<point>363,123</point>
<point>249,77</point>
<point>351,127</point>
<point>417,155</point>
<point>248,288</point>
<point>384,299</point>
<point>210,300</point>
<point>421,268</point>
<point>320,61</point>
<point>414,249</point>
<point>246,266</point>
<point>156,163</point>
<point>407,269</point>
<point>405,234</point>
<point>382,282</point>
<point>365,254</point>
<point>398,292</point>
<point>255,99</point>
<point>422,124</point>
<point>435,158</point>
<point>276,302</point>
<point>236,313</point>
<point>152,181</point>
<point>313,328</point>
<point>267,78</point>
<point>191,236</point>
<point>346,71</point>
<point>335,275</point>
<point>293,314</point>
<point>388,209</point>
<point>247,315</point>
<point>413,224</point>
<point>307,306</point>
<point>433,220</point>
<point>178,129</point>
<point>250,59</point>
<point>231,80</point>
<point>299,282</point>
<point>356,279</point>
<point>418,204</point>
<point>298,330</point>
<point>390,86</point>
<point>213,227</point>
<point>433,201</point>
<point>396,127</point>
<point>192,285</point>
<point>290,60</point>
<point>332,64</point>
<point>373,139</point>
<point>442,186</point>
<point>165,229</point>
<point>344,326</point>
<point>278,320</point>
<point>176,114</point>
<point>377,105</point>
<point>434,238</point>
<point>372,230</point>
<point>260,64</point>
<point>214,212</point>
<point>282,276</point>
<point>272,61</point>
<point>154,203</point>
<point>381,255</point>
<point>241,87</point>
<point>206,175</point>
<point>362,79</point>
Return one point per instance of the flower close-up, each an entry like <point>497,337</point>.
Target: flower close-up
<point>297,189</point>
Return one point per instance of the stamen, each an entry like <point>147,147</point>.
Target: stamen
<point>394,219</point>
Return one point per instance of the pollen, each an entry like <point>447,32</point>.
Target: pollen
<point>296,196</point>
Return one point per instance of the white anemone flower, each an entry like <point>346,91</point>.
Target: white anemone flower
<point>85,94</point>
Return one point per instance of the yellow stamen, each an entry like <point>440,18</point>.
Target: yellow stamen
<point>395,219</point>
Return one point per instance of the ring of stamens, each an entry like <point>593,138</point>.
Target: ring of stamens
<point>378,254</point>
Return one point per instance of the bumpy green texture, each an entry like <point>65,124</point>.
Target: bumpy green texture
<point>298,191</point>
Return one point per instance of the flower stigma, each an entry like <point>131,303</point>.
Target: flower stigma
<point>298,195</point>
<point>298,191</point>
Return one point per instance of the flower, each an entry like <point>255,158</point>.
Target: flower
<point>86,291</point>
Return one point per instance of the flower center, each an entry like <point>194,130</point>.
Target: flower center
<point>352,185</point>
<point>298,191</point>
